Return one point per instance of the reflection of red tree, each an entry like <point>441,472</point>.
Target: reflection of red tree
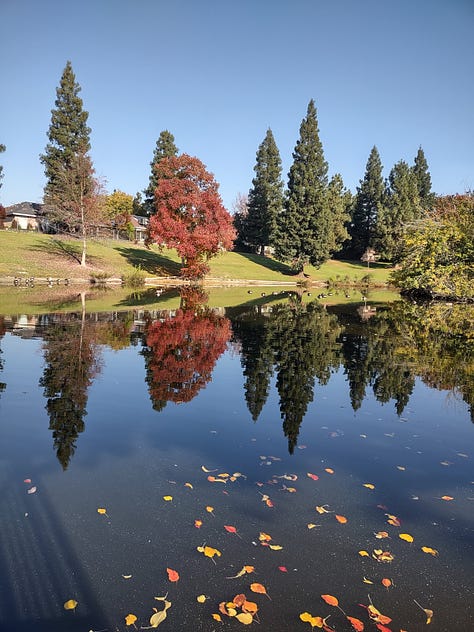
<point>183,352</point>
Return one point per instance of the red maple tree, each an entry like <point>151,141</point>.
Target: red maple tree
<point>190,215</point>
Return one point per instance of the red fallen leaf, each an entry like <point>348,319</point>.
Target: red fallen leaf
<point>27,480</point>
<point>382,628</point>
<point>332,601</point>
<point>230,529</point>
<point>356,623</point>
<point>283,569</point>
<point>173,576</point>
<point>313,476</point>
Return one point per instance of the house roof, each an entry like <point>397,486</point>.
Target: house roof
<point>25,209</point>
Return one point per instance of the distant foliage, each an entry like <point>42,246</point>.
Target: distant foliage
<point>2,149</point>
<point>164,148</point>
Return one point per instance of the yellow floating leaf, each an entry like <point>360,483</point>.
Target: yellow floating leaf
<point>369,485</point>
<point>428,549</point>
<point>209,551</point>
<point>406,536</point>
<point>130,619</point>
<point>244,617</point>
<point>367,581</point>
<point>127,576</point>
<point>209,509</point>
<point>245,569</point>
<point>167,498</point>
<point>70,604</point>
<point>321,509</point>
<point>312,525</point>
<point>204,469</point>
<point>364,554</point>
<point>264,537</point>
<point>189,485</point>
<point>217,617</point>
<point>275,547</point>
<point>201,598</point>
<point>102,511</point>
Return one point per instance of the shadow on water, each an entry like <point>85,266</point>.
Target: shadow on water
<point>40,569</point>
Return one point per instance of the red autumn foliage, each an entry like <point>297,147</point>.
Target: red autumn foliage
<point>183,352</point>
<point>190,215</point>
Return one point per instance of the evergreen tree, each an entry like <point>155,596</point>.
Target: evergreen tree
<point>265,198</point>
<point>306,225</point>
<point>239,219</point>
<point>68,132</point>
<point>402,207</point>
<point>164,148</point>
<point>367,206</point>
<point>423,180</point>
<point>2,149</point>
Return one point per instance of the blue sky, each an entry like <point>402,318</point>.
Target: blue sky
<point>218,73</point>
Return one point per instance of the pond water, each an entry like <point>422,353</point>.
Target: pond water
<point>328,447</point>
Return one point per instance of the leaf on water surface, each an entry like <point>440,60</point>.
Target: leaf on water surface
<point>213,479</point>
<point>209,551</point>
<point>283,569</point>
<point>259,588</point>
<point>198,524</point>
<point>217,617</point>
<point>329,599</point>
<point>264,537</point>
<point>244,617</point>
<point>127,576</point>
<point>382,556</point>
<point>381,534</point>
<point>369,485</point>
<point>130,619</point>
<point>70,604</point>
<point>27,480</point>
<point>401,468</point>
<point>386,582</point>
<point>356,624</point>
<point>32,490</point>
<point>382,628</point>
<point>275,547</point>
<point>329,470</point>
<point>406,536</point>
<point>321,509</point>
<point>367,581</point>
<point>173,575</point>
<point>102,511</point>
<point>315,622</point>
<point>168,498</point>
<point>428,549</point>
<point>393,520</point>
<point>447,498</point>
<point>210,510</point>
<point>341,519</point>
<point>364,554</point>
<point>201,598</point>
<point>429,613</point>
<point>313,476</point>
<point>189,485</point>
<point>204,469</point>
<point>311,525</point>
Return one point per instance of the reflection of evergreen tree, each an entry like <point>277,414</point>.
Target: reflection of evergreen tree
<point>2,333</point>
<point>70,353</point>
<point>256,359</point>
<point>356,350</point>
<point>305,348</point>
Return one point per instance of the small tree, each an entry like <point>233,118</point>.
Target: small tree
<point>119,210</point>
<point>76,198</point>
<point>189,214</point>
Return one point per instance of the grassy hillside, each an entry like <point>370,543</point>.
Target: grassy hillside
<point>27,254</point>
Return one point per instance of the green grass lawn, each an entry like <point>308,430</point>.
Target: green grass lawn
<point>35,254</point>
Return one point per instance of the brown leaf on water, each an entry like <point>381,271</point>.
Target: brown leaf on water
<point>429,613</point>
<point>245,569</point>
<point>259,588</point>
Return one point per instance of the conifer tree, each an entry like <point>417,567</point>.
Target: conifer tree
<point>367,205</point>
<point>402,208</point>
<point>164,148</point>
<point>307,226</point>
<point>423,180</point>
<point>68,132</point>
<point>265,199</point>
<point>2,149</point>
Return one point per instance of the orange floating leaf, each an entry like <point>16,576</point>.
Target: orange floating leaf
<point>329,599</point>
<point>369,485</point>
<point>428,549</point>
<point>264,537</point>
<point>249,606</point>
<point>329,470</point>
<point>386,582</point>
<point>198,524</point>
<point>130,619</point>
<point>382,628</point>
<point>447,498</point>
<point>259,588</point>
<point>341,519</point>
<point>210,510</point>
<point>173,576</point>
<point>356,624</point>
<point>217,617</point>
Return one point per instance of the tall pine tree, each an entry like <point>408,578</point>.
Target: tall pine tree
<point>265,199</point>
<point>423,180</point>
<point>164,148</point>
<point>2,149</point>
<point>367,206</point>
<point>402,208</point>
<point>68,134</point>
<point>309,228</point>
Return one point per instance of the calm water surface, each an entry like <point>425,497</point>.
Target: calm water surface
<point>226,413</point>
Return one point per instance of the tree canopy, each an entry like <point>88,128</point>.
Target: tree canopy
<point>164,148</point>
<point>189,213</point>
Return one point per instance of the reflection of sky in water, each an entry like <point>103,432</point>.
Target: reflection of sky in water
<point>56,547</point>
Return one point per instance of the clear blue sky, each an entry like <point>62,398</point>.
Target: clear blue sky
<point>218,73</point>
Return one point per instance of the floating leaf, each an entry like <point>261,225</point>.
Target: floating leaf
<point>204,469</point>
<point>275,547</point>
<point>448,498</point>
<point>244,617</point>
<point>264,537</point>
<point>401,468</point>
<point>283,569</point>
<point>159,616</point>
<point>217,617</point>
<point>376,615</point>
<point>210,510</point>
<point>315,622</point>
<point>102,511</point>
<point>173,576</point>
<point>127,576</point>
<point>198,524</point>
<point>259,588</point>
<point>381,534</point>
<point>369,485</point>
<point>70,604</point>
<point>209,551</point>
<point>332,601</point>
<point>382,556</point>
<point>341,519</point>
<point>27,480</point>
<point>321,509</point>
<point>386,582</point>
<point>393,520</point>
<point>213,479</point>
<point>406,536</point>
<point>356,623</point>
<point>428,549</point>
<point>363,554</point>
<point>168,498</point>
<point>329,470</point>
<point>313,476</point>
<point>429,613</point>
<point>245,569</point>
<point>201,598</point>
<point>311,525</point>
<point>367,581</point>
<point>189,485</point>
<point>32,490</point>
<point>130,619</point>
<point>231,529</point>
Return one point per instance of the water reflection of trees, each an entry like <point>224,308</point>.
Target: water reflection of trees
<point>2,333</point>
<point>181,349</point>
<point>301,344</point>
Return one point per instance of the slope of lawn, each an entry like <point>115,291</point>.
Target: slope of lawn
<point>27,254</point>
